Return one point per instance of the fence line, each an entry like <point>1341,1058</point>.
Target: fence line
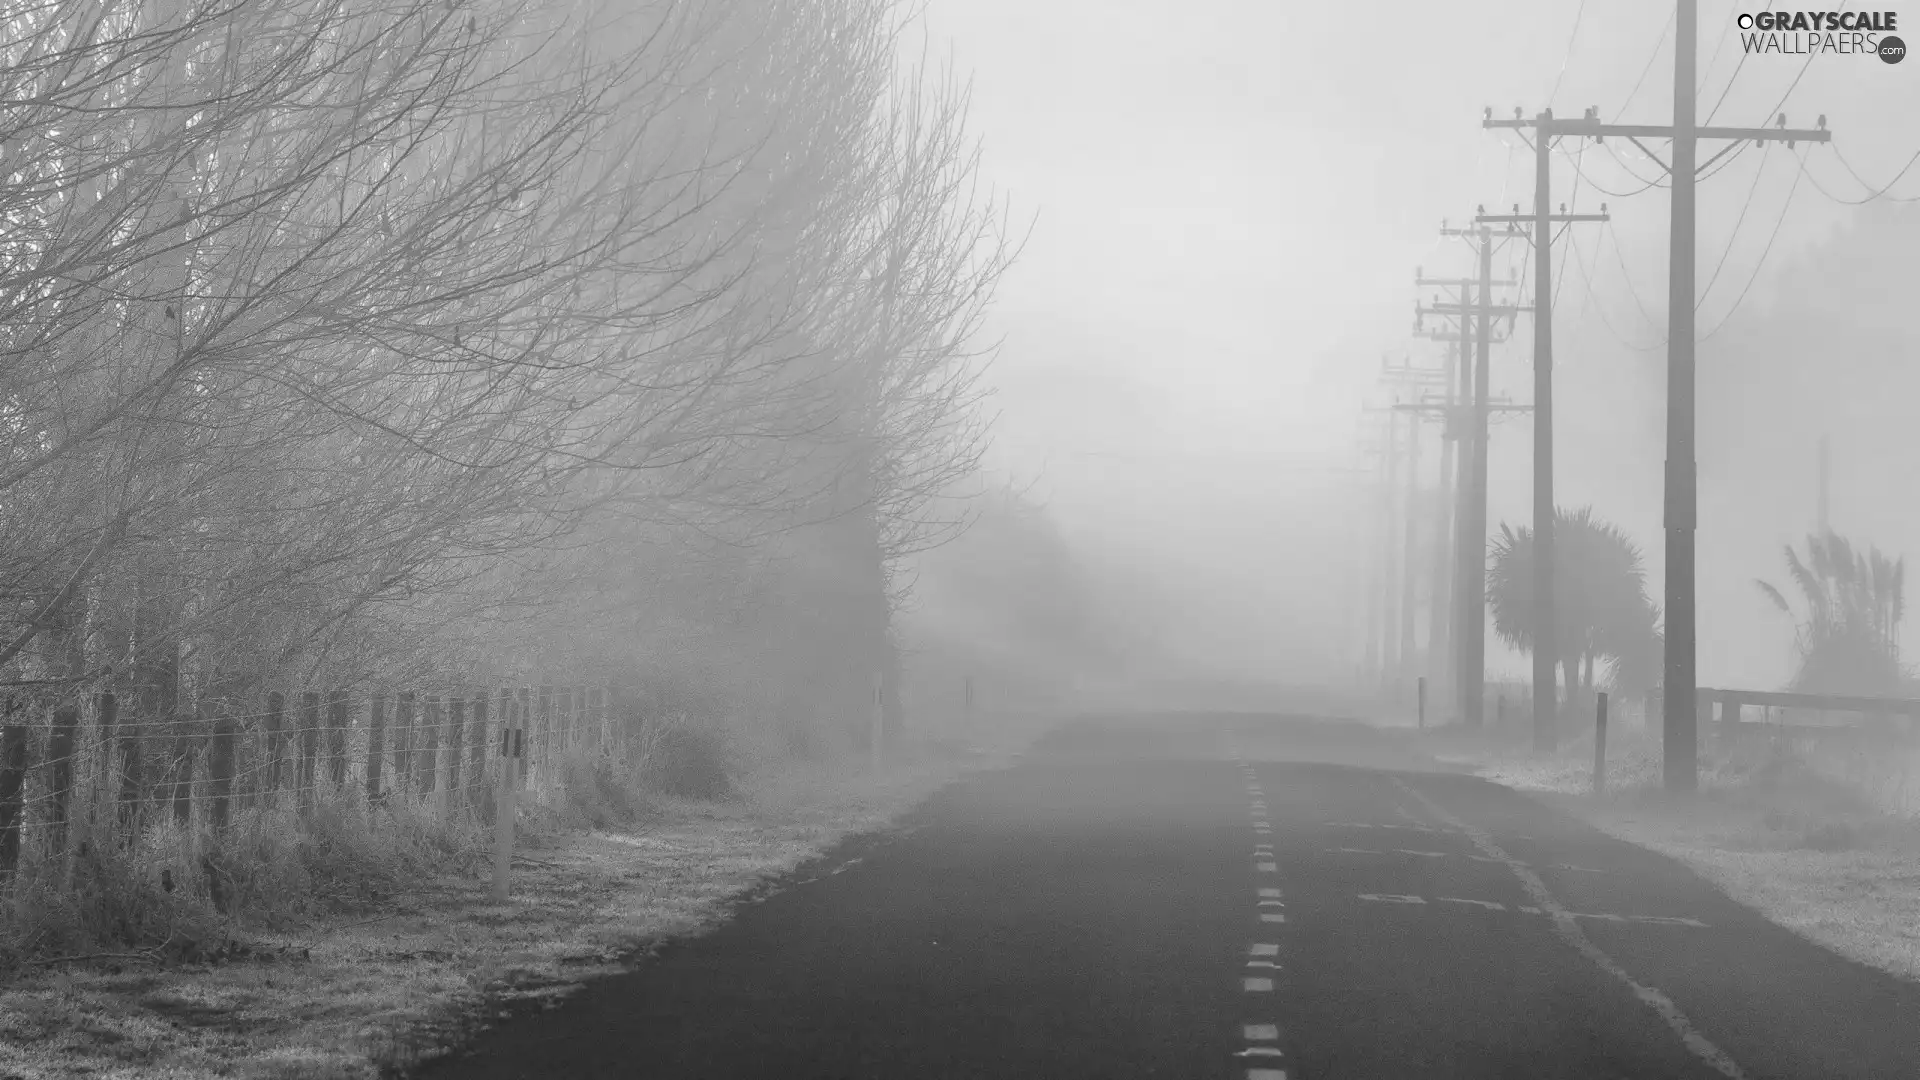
<point>124,767</point>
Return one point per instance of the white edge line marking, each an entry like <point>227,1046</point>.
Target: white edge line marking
<point>1570,932</point>
<point>1488,904</point>
<point>1392,898</point>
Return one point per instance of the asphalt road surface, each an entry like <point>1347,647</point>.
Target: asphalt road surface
<point>1236,897</point>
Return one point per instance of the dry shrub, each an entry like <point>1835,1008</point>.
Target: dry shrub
<point>178,892</point>
<point>686,760</point>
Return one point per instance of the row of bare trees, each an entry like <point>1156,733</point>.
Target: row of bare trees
<point>366,341</point>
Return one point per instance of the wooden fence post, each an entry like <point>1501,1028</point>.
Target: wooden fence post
<point>376,742</point>
<point>543,718</point>
<point>60,755</point>
<point>337,737</point>
<point>187,761</point>
<point>512,746</point>
<point>429,754</point>
<point>13,775</point>
<point>1600,743</point>
<point>131,768</point>
<point>403,743</point>
<point>522,715</point>
<point>220,771</point>
<point>309,747</point>
<point>276,738</point>
<point>477,742</point>
<point>104,715</point>
<point>456,730</point>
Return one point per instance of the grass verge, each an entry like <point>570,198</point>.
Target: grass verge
<point>374,994</point>
<point>1772,828</point>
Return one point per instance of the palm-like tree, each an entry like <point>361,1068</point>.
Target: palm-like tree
<point>1601,609</point>
<point>1849,637</point>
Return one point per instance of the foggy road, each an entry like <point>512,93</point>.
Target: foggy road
<point>1229,897</point>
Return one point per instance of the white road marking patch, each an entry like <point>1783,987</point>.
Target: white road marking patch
<point>1269,892</point>
<point>1577,869</point>
<point>1355,851</point>
<point>1488,904</point>
<point>1391,898</point>
<point>1265,867</point>
<point>1268,964</point>
<point>1260,1032</point>
<point>1264,949</point>
<point>1428,854</point>
<point>1258,985</point>
<point>1259,1051</point>
<point>1269,903</point>
<point>1569,930</point>
<point>1266,1074</point>
<point>1272,917</point>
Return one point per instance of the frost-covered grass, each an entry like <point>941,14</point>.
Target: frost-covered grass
<point>1818,840</point>
<point>366,992</point>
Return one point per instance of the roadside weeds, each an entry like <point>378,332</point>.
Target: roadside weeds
<point>1807,851</point>
<point>374,995</point>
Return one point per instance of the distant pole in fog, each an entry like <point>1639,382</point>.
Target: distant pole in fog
<point>1546,649</point>
<point>1389,545</point>
<point>1825,474</point>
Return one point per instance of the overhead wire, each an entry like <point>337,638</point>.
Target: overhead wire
<point>1762,261</point>
<point>1752,190</point>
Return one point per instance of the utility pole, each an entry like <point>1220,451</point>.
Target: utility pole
<point>1681,746</point>
<point>1546,645</point>
<point>1406,375</point>
<point>1471,647</point>
<point>1389,653</point>
<point>1370,665</point>
<point>1821,520</point>
<point>1450,545</point>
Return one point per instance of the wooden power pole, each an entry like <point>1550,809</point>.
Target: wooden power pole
<point>1680,690</point>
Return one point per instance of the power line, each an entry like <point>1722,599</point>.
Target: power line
<point>1731,13</point>
<point>1586,281</point>
<point>1602,188</point>
<point>1734,237</point>
<point>1572,36</point>
<point>1873,193</point>
<point>1620,258</point>
<point>1637,83</point>
<point>1763,252</point>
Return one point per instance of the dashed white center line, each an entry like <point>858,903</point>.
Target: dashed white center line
<point>1266,1074</point>
<point>1264,949</point>
<point>1260,1052</point>
<point>1272,916</point>
<point>1260,1032</point>
<point>1267,867</point>
<point>1256,985</point>
<point>1267,964</point>
<point>1270,892</point>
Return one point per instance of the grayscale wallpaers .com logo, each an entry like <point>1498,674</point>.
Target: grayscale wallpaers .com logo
<point>1811,33</point>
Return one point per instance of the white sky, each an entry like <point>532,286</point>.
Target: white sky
<point>1229,200</point>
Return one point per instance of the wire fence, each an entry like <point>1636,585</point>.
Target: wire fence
<point>117,762</point>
